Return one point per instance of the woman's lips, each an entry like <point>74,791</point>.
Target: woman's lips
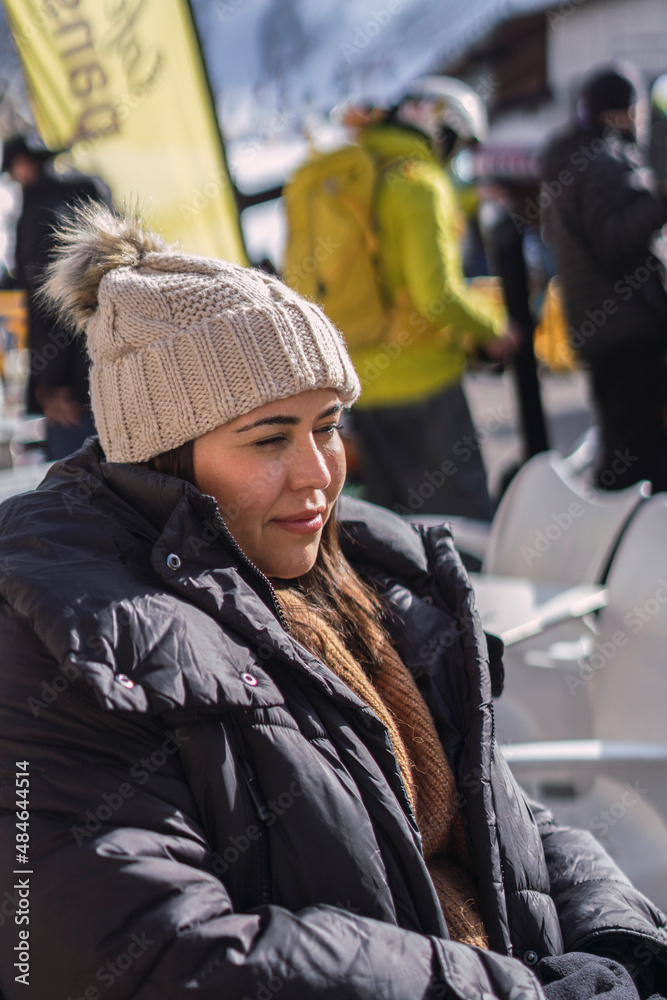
<point>306,523</point>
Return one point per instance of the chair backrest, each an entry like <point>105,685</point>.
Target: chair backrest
<point>627,669</point>
<point>551,527</point>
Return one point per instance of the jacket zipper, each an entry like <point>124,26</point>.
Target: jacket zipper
<point>262,810</point>
<point>266,585</point>
<point>493,731</point>
<point>264,814</point>
<point>259,802</point>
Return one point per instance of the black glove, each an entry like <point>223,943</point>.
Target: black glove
<point>643,962</point>
<point>579,976</point>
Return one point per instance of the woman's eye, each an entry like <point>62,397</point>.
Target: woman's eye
<point>277,439</point>
<point>327,430</point>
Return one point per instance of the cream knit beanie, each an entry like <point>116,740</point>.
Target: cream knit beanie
<point>180,344</point>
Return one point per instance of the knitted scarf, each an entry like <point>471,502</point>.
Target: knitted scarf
<point>395,698</point>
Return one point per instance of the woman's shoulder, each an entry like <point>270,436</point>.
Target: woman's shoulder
<point>65,534</point>
<point>60,510</point>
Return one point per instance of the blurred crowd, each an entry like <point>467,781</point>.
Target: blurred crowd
<point>560,257</point>
<point>568,243</point>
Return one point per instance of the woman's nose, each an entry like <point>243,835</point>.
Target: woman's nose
<point>309,468</point>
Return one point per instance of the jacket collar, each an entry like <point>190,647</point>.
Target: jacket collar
<point>374,535</point>
<point>151,495</point>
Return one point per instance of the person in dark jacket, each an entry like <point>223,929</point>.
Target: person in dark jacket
<point>504,247</point>
<point>603,211</point>
<point>58,383</point>
<point>246,729</point>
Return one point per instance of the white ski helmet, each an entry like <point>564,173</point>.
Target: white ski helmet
<point>659,95</point>
<point>434,104</point>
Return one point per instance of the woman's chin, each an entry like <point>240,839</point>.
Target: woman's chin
<point>294,562</point>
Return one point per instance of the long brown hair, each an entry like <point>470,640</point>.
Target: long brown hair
<point>331,587</point>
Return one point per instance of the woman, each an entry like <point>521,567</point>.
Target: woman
<point>259,760</point>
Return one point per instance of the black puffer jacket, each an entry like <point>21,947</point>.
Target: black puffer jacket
<point>601,212</point>
<point>212,812</point>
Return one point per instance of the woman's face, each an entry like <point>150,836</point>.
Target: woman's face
<point>276,473</point>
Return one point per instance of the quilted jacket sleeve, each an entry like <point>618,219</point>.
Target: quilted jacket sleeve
<point>595,901</point>
<point>123,899</point>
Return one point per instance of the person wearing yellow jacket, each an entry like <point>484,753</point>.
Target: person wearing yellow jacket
<point>419,449</point>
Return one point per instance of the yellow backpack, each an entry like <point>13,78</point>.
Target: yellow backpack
<point>331,252</point>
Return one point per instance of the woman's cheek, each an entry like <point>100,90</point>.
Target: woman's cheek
<point>337,466</point>
<point>266,479</point>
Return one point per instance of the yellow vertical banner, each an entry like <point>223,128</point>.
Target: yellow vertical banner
<point>123,85</point>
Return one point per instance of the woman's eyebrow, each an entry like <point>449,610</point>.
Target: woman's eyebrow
<point>330,411</point>
<point>280,419</point>
<point>288,420</point>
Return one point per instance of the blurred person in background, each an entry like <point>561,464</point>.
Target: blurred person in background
<point>58,382</point>
<point>604,211</point>
<point>419,448</point>
<point>504,246</point>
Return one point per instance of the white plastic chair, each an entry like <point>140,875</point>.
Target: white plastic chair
<point>615,783</point>
<point>546,554</point>
<point>550,545</point>
<point>628,665</point>
<point>551,527</point>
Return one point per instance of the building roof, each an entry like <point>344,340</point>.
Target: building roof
<point>461,26</point>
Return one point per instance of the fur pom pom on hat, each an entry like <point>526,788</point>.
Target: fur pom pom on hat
<point>180,344</point>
